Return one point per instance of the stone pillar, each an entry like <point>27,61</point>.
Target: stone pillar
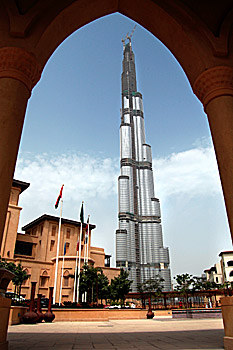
<point>19,72</point>
<point>214,88</point>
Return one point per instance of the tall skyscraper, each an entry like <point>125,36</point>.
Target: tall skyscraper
<point>139,241</point>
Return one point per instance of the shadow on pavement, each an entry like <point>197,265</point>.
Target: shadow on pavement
<point>196,339</point>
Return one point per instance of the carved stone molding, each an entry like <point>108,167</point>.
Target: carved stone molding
<point>214,82</point>
<point>19,64</point>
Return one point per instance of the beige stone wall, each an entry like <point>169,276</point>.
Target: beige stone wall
<point>111,272</point>
<point>40,266</point>
<point>11,225</point>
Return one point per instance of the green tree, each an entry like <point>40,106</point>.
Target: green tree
<point>120,286</point>
<point>184,284</point>
<point>141,290</point>
<point>95,283</point>
<point>103,286</point>
<point>154,285</point>
<point>88,282</point>
<point>20,274</point>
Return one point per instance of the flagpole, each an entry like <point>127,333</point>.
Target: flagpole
<point>84,256</point>
<point>79,260</point>
<point>58,246</point>
<point>62,271</point>
<point>88,232</point>
<point>75,274</point>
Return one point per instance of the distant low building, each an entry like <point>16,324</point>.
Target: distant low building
<point>214,274</point>
<point>223,271</point>
<point>227,265</point>
<point>36,249</point>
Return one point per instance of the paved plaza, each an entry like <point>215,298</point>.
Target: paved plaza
<point>119,334</point>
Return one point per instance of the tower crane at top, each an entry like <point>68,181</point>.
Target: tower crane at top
<point>129,37</point>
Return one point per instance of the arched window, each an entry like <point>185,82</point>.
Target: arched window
<point>44,279</point>
<point>231,274</point>
<point>230,263</point>
<point>66,277</point>
<point>26,282</point>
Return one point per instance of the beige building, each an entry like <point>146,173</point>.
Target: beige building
<point>214,274</point>
<point>227,265</point>
<point>223,271</point>
<point>36,249</point>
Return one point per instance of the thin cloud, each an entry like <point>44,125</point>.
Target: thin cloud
<point>191,173</point>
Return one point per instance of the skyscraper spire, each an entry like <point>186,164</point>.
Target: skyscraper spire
<point>139,242</point>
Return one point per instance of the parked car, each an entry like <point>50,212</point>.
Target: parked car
<point>115,307</point>
<point>14,296</point>
<point>44,302</point>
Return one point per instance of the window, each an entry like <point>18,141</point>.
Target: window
<point>41,229</point>
<point>66,278</point>
<point>52,246</point>
<point>68,233</point>
<point>54,230</point>
<point>23,248</point>
<point>34,231</point>
<point>44,279</point>
<point>66,281</point>
<point>231,274</point>
<point>26,282</point>
<point>67,247</point>
<point>230,263</point>
<point>216,279</point>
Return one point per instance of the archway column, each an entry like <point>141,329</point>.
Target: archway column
<point>19,72</point>
<point>214,87</point>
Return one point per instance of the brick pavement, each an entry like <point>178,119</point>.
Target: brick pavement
<point>164,334</point>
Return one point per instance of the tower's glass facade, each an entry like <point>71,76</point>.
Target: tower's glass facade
<point>139,241</point>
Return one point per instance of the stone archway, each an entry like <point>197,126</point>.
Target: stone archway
<point>201,42</point>
<point>199,35</point>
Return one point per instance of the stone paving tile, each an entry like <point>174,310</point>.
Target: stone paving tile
<point>82,346</point>
<point>121,334</point>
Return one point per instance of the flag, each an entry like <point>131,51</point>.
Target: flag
<point>82,214</point>
<point>59,197</point>
<point>64,249</point>
<point>86,238</point>
<point>86,234</point>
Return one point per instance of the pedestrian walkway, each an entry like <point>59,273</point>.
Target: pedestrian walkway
<point>164,334</point>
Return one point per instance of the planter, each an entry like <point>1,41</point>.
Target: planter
<point>31,316</point>
<point>5,304</point>
<point>5,278</point>
<point>49,315</point>
<point>227,314</point>
<point>149,314</point>
<point>40,315</point>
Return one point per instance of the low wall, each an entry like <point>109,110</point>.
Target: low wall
<point>98,314</point>
<point>162,313</point>
<point>197,313</point>
<point>16,312</point>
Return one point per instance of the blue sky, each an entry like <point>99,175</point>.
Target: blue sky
<point>71,136</point>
